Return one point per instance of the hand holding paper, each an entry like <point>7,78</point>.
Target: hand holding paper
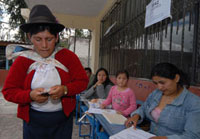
<point>134,119</point>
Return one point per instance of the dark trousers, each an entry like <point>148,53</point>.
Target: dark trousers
<point>48,125</point>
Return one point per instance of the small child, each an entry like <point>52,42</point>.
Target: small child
<point>121,97</point>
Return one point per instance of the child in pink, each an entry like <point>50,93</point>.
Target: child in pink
<point>121,97</point>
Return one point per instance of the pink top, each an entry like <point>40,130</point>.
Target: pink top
<point>124,101</point>
<point>156,114</point>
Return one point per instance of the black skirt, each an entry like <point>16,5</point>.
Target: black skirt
<point>48,125</point>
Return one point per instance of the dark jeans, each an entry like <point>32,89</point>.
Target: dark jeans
<point>48,125</point>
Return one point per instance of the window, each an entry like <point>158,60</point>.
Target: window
<point>130,46</point>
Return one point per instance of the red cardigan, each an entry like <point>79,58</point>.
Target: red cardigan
<point>17,85</point>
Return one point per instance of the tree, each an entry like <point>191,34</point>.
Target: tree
<point>79,33</point>
<point>13,7</point>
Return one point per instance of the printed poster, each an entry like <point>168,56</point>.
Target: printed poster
<point>156,11</point>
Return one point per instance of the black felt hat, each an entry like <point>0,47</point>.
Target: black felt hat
<point>40,14</point>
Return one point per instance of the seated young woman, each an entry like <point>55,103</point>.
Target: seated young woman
<point>174,112</point>
<point>100,86</point>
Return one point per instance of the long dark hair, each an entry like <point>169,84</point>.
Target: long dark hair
<point>107,81</point>
<point>168,70</point>
<point>36,28</point>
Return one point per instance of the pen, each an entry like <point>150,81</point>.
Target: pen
<point>82,118</point>
<point>131,123</point>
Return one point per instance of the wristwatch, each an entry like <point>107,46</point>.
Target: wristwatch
<point>65,90</point>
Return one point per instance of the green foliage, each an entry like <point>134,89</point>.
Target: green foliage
<point>64,43</point>
<point>79,33</point>
<point>13,7</point>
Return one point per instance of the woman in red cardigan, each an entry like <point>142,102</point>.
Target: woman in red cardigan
<point>45,80</point>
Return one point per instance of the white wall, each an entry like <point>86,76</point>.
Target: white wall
<point>81,49</point>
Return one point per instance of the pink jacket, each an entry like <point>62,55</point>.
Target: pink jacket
<point>124,101</point>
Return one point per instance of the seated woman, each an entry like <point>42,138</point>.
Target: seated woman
<point>173,110</point>
<point>121,97</point>
<point>100,86</point>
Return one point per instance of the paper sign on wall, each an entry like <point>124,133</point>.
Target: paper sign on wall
<point>156,11</point>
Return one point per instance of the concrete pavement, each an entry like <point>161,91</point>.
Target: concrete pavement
<point>11,126</point>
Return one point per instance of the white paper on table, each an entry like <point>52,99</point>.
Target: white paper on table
<point>100,111</point>
<point>114,118</point>
<point>131,133</point>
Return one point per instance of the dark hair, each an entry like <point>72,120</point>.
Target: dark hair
<point>168,70</point>
<point>122,72</point>
<point>88,69</point>
<point>107,81</point>
<point>36,28</point>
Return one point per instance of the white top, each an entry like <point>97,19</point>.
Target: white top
<point>46,76</point>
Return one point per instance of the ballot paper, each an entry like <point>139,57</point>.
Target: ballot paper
<point>95,107</point>
<point>114,118</point>
<point>100,111</point>
<point>131,133</point>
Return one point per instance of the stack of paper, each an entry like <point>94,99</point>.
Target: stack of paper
<point>131,133</point>
<point>100,111</point>
<point>114,118</point>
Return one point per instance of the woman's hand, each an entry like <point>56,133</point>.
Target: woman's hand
<point>36,95</point>
<point>94,100</point>
<point>56,92</point>
<point>132,121</point>
<point>97,84</point>
<point>119,112</point>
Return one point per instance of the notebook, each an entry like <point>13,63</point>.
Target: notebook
<point>114,118</point>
